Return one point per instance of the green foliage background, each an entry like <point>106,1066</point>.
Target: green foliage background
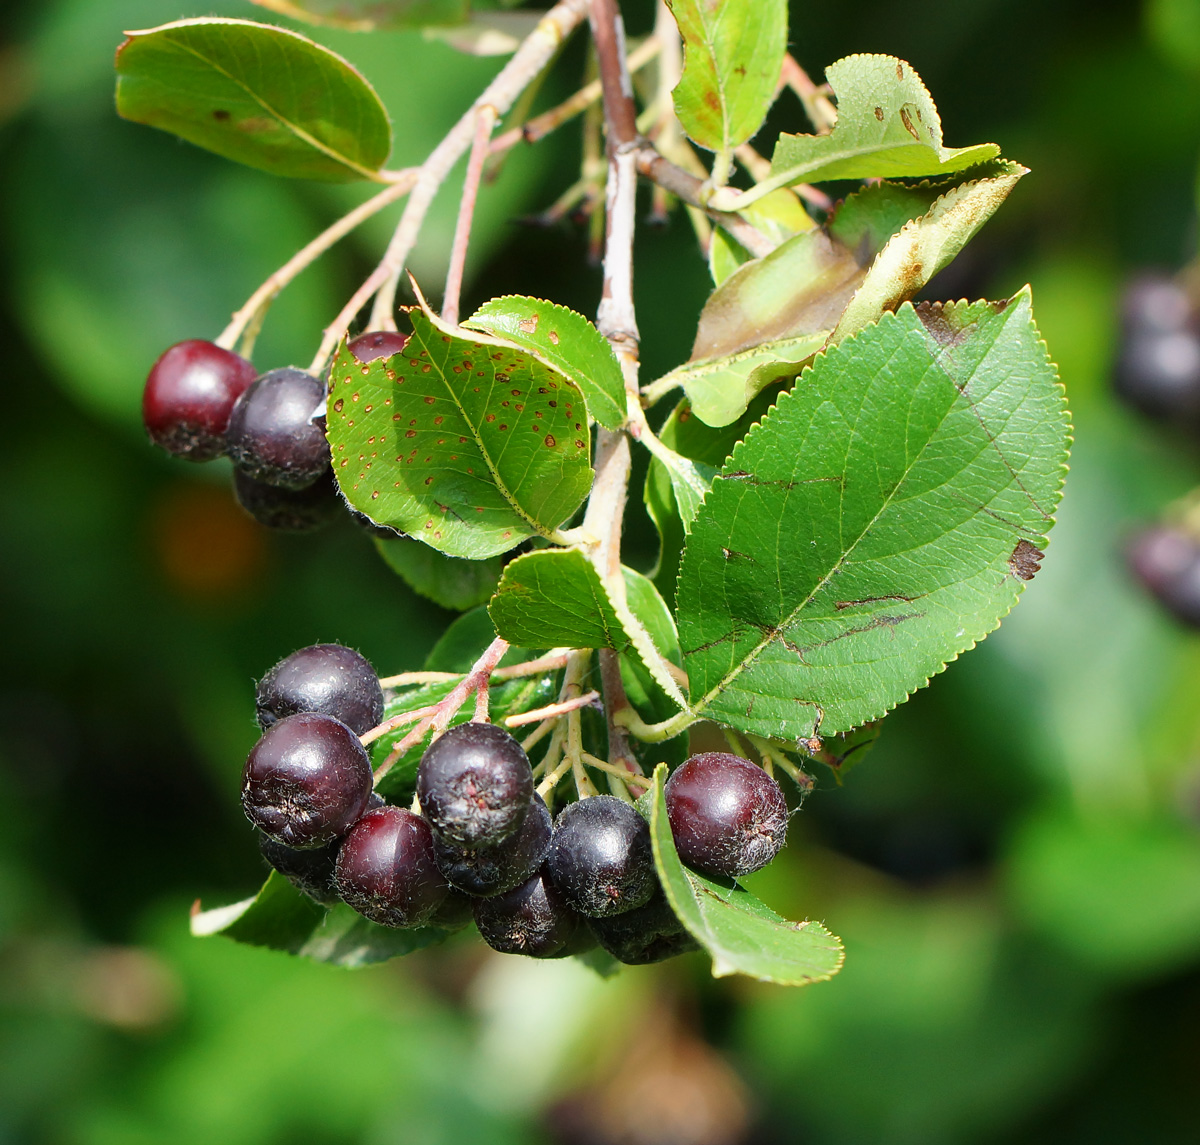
<point>1015,870</point>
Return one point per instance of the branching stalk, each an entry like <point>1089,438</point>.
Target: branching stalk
<point>485,123</point>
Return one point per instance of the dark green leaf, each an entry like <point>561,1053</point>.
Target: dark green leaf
<point>281,918</point>
<point>741,934</point>
<point>564,340</point>
<point>462,643</point>
<point>732,57</point>
<point>878,522</point>
<point>464,443</point>
<point>371,15</point>
<point>887,127</point>
<point>263,96</point>
<point>451,582</point>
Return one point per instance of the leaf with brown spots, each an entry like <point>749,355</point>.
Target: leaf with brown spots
<point>564,340</point>
<point>862,535</point>
<point>464,442</point>
<point>260,95</point>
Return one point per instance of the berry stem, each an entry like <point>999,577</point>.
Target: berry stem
<point>485,122</point>
<point>551,711</point>
<point>628,718</point>
<point>772,755</point>
<point>619,773</point>
<point>553,660</point>
<point>817,105</point>
<point>248,319</point>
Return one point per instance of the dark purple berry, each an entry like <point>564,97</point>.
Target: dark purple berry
<point>306,781</point>
<point>728,817</point>
<point>289,510</point>
<point>188,397</point>
<point>484,871</point>
<point>475,785</point>
<point>1167,562</point>
<point>376,344</point>
<point>457,910</point>
<point>1158,365</point>
<point>651,933</point>
<point>385,869</point>
<point>532,919</point>
<point>327,678</point>
<point>600,857</point>
<point>1155,303</point>
<point>308,871</point>
<point>277,429</point>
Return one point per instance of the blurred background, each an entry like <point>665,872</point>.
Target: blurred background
<point>1015,869</point>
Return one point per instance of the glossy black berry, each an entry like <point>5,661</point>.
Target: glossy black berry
<point>532,919</point>
<point>327,678</point>
<point>728,817</point>
<point>289,510</point>
<point>475,785</point>
<point>277,429</point>
<point>376,344</point>
<point>308,871</point>
<point>385,869</point>
<point>306,781</point>
<point>651,933</point>
<point>457,910</point>
<point>484,871</point>
<point>600,857</point>
<point>189,394</point>
<point>1167,562</point>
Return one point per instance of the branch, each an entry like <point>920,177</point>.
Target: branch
<point>534,54</point>
<point>257,304</point>
<point>485,122</point>
<point>817,105</point>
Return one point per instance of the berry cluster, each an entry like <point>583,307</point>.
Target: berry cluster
<point>484,844</point>
<point>202,401</point>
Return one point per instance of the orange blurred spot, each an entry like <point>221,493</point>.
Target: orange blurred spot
<point>206,546</point>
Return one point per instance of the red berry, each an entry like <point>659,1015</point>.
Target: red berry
<point>385,869</point>
<point>376,344</point>
<point>188,397</point>
<point>728,817</point>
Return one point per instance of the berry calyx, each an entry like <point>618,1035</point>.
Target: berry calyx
<point>289,510</point>
<point>475,785</point>
<point>600,857</point>
<point>385,869</point>
<point>728,816</point>
<point>190,392</point>
<point>484,871</point>
<point>327,678</point>
<point>1167,563</point>
<point>376,344</point>
<point>533,919</point>
<point>276,433</point>
<point>651,933</point>
<point>306,781</point>
<point>308,871</point>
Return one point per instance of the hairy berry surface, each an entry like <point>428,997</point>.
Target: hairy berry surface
<point>728,816</point>
<point>306,781</point>
<point>484,871</point>
<point>308,871</point>
<point>276,434</point>
<point>532,919</point>
<point>189,395</point>
<point>600,857</point>
<point>376,344</point>
<point>327,678</point>
<point>651,933</point>
<point>475,785</point>
<point>385,869</point>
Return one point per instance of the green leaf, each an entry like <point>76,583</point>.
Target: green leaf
<point>565,341</point>
<point>370,15</point>
<point>260,95</point>
<point>877,523</point>
<point>463,642</point>
<point>464,443</point>
<point>887,128</point>
<point>740,933</point>
<point>720,389</point>
<point>732,56</point>
<point>779,216</point>
<point>448,581</point>
<point>555,599</point>
<point>924,246</point>
<point>279,917</point>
